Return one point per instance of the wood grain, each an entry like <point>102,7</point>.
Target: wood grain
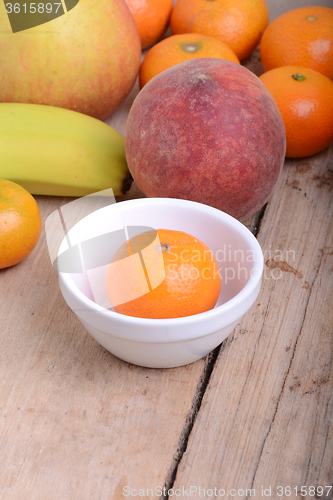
<point>76,423</point>
<point>266,417</point>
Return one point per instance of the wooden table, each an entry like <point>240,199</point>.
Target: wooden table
<point>254,418</point>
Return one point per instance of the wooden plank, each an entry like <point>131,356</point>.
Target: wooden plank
<point>266,417</point>
<point>76,422</point>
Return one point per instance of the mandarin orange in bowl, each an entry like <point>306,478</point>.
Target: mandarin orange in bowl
<point>187,275</point>
<point>170,341</point>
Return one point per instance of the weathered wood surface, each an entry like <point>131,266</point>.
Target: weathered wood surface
<point>76,423</point>
<point>266,416</point>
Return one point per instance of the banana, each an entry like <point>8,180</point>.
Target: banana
<point>55,151</point>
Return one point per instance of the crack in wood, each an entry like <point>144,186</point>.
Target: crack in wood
<point>323,453</point>
<point>285,379</point>
<point>312,449</point>
<point>327,415</point>
<point>276,408</point>
<point>324,448</point>
<point>257,221</point>
<point>203,384</point>
<point>191,416</point>
<point>308,467</point>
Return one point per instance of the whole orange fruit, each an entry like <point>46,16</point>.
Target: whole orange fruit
<point>180,276</point>
<point>238,23</point>
<point>305,100</point>
<point>179,48</point>
<point>151,17</point>
<point>302,37</point>
<point>20,223</point>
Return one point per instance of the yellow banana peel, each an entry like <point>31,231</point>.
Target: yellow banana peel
<point>55,151</point>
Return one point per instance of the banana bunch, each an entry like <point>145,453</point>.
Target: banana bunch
<point>55,151</point>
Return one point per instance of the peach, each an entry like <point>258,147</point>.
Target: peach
<point>206,130</point>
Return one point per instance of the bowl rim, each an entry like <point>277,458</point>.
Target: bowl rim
<point>184,321</point>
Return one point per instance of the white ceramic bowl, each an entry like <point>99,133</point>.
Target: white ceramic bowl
<point>166,343</point>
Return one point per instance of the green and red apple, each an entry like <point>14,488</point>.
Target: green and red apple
<point>86,60</point>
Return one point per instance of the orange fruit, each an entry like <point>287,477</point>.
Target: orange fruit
<point>302,37</point>
<point>180,276</point>
<point>151,17</point>
<point>305,100</point>
<point>20,223</point>
<point>179,48</point>
<point>237,23</point>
